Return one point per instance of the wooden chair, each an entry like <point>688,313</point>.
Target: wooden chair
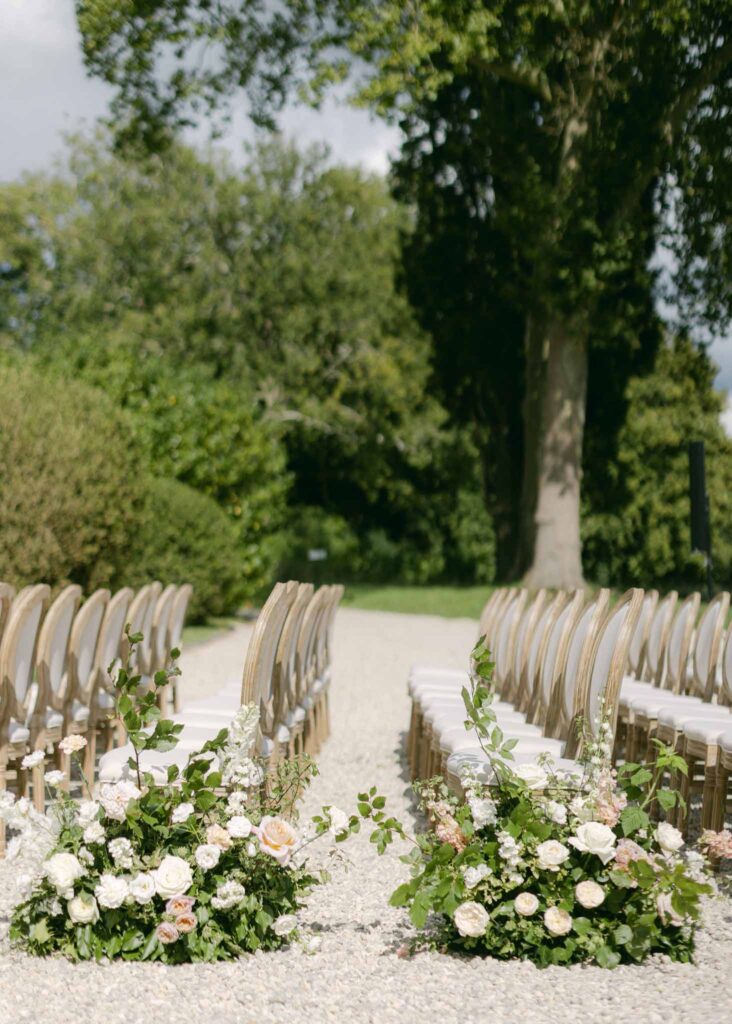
<point>175,632</point>
<point>285,668</point>
<point>101,697</point>
<point>7,593</point>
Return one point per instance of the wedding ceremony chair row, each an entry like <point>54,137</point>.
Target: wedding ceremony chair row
<point>54,660</point>
<point>287,672</point>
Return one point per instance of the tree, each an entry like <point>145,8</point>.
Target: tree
<point>607,114</point>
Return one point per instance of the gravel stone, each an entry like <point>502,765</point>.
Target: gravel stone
<point>356,974</point>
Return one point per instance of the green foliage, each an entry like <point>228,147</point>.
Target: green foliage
<point>640,532</point>
<point>72,489</point>
<point>185,537</point>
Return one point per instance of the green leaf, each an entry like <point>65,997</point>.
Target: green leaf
<point>401,896</point>
<point>607,957</point>
<point>632,818</point>
<point>623,934</point>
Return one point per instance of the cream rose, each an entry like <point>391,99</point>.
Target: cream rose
<point>589,894</point>
<point>181,813</point>
<point>142,888</point>
<point>239,827</point>
<point>669,838</point>
<point>556,921</point>
<point>471,919</point>
<point>111,891</point>
<point>83,909</point>
<point>551,854</point>
<point>284,924</point>
<point>173,877</point>
<point>62,870</point>
<point>593,837</point>
<point>116,796</point>
<point>526,904</point>
<point>72,744</point>
<point>217,835</point>
<point>277,838</point>
<point>167,933</point>
<point>207,856</point>
<point>532,775</point>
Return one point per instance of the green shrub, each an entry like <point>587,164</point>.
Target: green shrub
<point>187,538</point>
<point>71,487</point>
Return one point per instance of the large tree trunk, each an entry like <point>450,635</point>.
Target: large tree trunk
<point>557,549</point>
<point>531,406</point>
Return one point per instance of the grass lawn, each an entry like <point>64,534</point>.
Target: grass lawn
<point>452,602</point>
<point>206,630</point>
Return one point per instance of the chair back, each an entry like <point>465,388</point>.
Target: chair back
<point>507,638</point>
<point>708,645</point>
<point>494,621</point>
<point>679,641</point>
<point>305,665</point>
<point>285,669</point>
<point>636,654</point>
<point>536,650</point>
<point>18,647</point>
<point>338,592</point>
<point>137,619</point>
<point>262,650</point>
<point>159,628</point>
<point>524,635</point>
<point>654,662</point>
<point>579,650</point>
<point>554,661</point>
<point>145,651</point>
<point>7,593</point>
<point>726,693</point>
<point>178,616</point>
<point>53,647</point>
<point>111,636</point>
<point>489,611</point>
<point>83,648</point>
<point>597,697</point>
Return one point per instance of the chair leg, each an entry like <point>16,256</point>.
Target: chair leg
<point>709,790</point>
<point>719,804</point>
<point>90,756</point>
<point>38,783</point>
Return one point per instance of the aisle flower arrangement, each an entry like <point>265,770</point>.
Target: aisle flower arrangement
<point>552,868</point>
<point>206,867</point>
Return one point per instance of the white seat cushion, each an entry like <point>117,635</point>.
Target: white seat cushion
<point>705,730</point>
<point>53,719</point>
<point>675,718</point>
<point>652,704</point>
<point>725,741</point>
<point>17,733</point>
<point>478,763</point>
<point>105,700</point>
<point>79,711</point>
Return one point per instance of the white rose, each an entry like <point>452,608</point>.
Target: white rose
<point>228,895</point>
<point>593,837</point>
<point>72,744</point>
<point>142,888</point>
<point>580,809</point>
<point>120,850</point>
<point>284,924</point>
<point>589,894</point>
<point>471,919</point>
<point>474,876</point>
<point>173,877</point>
<point>83,909</point>
<point>338,820</point>
<point>556,812</point>
<point>88,812</point>
<point>526,904</point>
<point>62,870</point>
<point>181,813</point>
<point>111,891</point>
<point>551,854</point>
<point>86,856</point>
<point>483,811</point>
<point>94,833</point>
<point>207,856</point>
<point>115,796</point>
<point>54,778</point>
<point>239,827</point>
<point>532,775</point>
<point>556,921</point>
<point>33,760</point>
<point>669,838</point>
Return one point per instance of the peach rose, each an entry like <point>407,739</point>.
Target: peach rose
<point>277,838</point>
<point>185,923</point>
<point>216,835</point>
<point>167,933</point>
<point>179,905</point>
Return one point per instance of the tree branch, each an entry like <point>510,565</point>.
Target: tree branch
<point>533,80</point>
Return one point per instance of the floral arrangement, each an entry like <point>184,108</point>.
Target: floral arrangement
<point>545,866</point>
<point>208,866</point>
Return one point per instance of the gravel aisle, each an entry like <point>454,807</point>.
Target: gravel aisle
<point>356,975</point>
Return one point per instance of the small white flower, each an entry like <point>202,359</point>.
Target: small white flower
<point>181,813</point>
<point>556,921</point>
<point>111,891</point>
<point>338,820</point>
<point>88,812</point>
<point>85,856</point>
<point>532,775</point>
<point>284,924</point>
<point>121,852</point>
<point>237,802</point>
<point>62,870</point>
<point>252,849</point>
<point>228,895</point>
<point>34,759</point>
<point>471,919</point>
<point>580,809</point>
<point>483,811</point>
<point>474,876</point>
<point>94,833</point>
<point>239,827</point>
<point>668,838</point>
<point>83,909</point>
<point>589,894</point>
<point>526,904</point>
<point>594,837</point>
<point>556,812</point>
<point>551,854</point>
<point>207,856</point>
<point>142,888</point>
<point>72,744</point>
<point>54,778</point>
<point>116,796</point>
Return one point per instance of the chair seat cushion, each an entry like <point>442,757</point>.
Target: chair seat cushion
<point>651,705</point>
<point>105,700</point>
<point>17,733</point>
<point>705,730</point>
<point>478,763</point>
<point>79,711</point>
<point>725,741</point>
<point>675,718</point>
<point>53,719</point>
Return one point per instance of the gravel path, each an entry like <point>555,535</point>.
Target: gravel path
<point>356,975</point>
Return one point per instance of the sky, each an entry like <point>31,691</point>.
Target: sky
<point>46,93</point>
